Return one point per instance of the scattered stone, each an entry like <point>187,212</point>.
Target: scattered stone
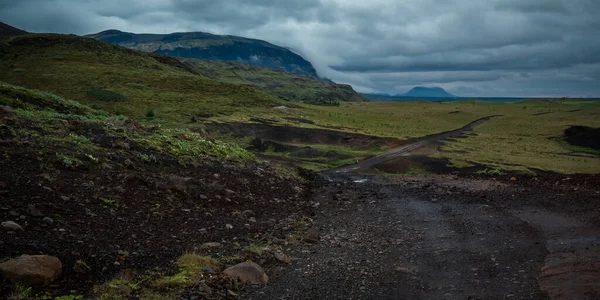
<point>22,217</point>
<point>13,213</point>
<point>228,226</point>
<point>6,110</point>
<point>34,211</point>
<point>211,245</point>
<point>208,270</point>
<point>252,219</point>
<point>248,213</point>
<point>65,198</point>
<point>81,267</point>
<point>11,226</point>
<point>229,192</point>
<point>247,272</point>
<point>62,230</point>
<point>32,269</point>
<point>204,288</point>
<point>203,197</point>
<point>312,236</point>
<point>128,163</point>
<point>48,220</point>
<point>280,256</point>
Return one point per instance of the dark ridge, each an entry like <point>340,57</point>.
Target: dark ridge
<point>583,136</point>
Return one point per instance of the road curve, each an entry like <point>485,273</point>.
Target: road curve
<point>394,153</point>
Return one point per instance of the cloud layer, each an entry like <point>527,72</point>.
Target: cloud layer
<point>492,48</point>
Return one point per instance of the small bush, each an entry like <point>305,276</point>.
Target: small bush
<point>106,95</point>
<point>150,114</point>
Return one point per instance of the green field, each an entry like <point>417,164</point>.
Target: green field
<point>526,136</point>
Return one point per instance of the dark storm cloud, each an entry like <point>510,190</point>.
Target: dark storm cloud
<point>493,47</point>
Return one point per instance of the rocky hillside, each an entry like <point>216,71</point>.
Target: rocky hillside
<point>212,47</point>
<point>114,210</point>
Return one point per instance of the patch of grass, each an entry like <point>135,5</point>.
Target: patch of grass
<point>106,95</point>
<point>257,249</point>
<point>78,139</point>
<point>189,145</point>
<point>69,161</point>
<point>190,270</point>
<point>490,172</point>
<point>148,158</point>
<point>194,263</point>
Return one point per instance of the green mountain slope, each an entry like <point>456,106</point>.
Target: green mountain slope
<point>212,47</point>
<point>120,80</point>
<point>279,83</point>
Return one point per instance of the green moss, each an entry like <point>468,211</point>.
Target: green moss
<point>69,161</point>
<point>189,145</point>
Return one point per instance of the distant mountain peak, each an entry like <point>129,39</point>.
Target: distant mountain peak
<point>433,92</point>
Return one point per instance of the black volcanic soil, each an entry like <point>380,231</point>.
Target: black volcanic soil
<point>447,237</point>
<point>131,215</point>
<point>287,134</point>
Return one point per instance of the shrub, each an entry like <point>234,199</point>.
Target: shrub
<point>150,114</point>
<point>106,95</point>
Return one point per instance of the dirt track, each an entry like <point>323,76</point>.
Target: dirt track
<point>442,237</point>
<point>396,152</point>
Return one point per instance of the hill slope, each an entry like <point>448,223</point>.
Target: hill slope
<point>115,187</point>
<point>121,80</point>
<point>212,47</point>
<point>279,83</point>
<point>7,30</point>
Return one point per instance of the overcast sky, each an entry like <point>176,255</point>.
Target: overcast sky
<point>469,47</point>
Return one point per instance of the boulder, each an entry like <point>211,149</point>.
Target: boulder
<point>312,236</point>
<point>247,272</point>
<point>34,211</point>
<point>32,269</point>
<point>11,226</point>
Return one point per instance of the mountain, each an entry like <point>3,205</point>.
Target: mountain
<point>421,93</point>
<point>7,30</point>
<point>428,92</point>
<point>212,47</point>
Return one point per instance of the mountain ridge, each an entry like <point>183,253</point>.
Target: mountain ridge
<point>210,46</point>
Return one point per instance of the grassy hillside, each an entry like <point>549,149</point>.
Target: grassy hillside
<point>282,84</point>
<point>141,85</point>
